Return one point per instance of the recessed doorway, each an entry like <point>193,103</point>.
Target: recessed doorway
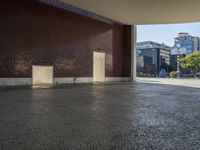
<point>98,66</point>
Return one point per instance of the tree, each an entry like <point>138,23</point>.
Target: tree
<point>173,74</point>
<point>191,61</point>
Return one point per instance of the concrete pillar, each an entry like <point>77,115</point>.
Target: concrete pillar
<point>133,52</point>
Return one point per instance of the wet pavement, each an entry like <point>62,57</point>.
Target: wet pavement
<point>118,116</point>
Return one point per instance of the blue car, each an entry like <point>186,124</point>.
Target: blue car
<point>163,73</point>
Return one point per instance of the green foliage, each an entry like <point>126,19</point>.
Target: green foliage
<point>191,61</point>
<point>173,74</point>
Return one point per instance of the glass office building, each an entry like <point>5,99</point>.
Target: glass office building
<point>186,43</point>
<point>151,58</point>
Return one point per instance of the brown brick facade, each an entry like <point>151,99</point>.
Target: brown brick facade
<point>32,33</point>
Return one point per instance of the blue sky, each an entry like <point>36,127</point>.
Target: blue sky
<point>165,33</point>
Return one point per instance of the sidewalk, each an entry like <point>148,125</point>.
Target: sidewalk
<point>172,81</point>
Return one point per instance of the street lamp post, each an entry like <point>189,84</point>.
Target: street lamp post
<point>178,65</point>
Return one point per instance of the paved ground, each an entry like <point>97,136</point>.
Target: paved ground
<point>170,81</point>
<point>137,116</point>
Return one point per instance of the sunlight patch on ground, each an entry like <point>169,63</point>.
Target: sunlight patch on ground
<point>180,82</point>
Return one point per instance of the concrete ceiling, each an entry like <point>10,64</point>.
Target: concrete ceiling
<point>143,11</point>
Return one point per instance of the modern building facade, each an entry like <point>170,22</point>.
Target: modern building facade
<point>186,43</point>
<point>152,57</point>
<point>173,63</point>
<point>51,39</point>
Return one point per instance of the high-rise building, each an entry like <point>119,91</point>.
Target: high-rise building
<point>186,43</point>
<point>173,63</point>
<point>152,57</point>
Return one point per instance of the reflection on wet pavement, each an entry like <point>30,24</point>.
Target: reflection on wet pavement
<point>102,116</point>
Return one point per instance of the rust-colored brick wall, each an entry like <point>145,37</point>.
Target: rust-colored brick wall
<point>32,33</point>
